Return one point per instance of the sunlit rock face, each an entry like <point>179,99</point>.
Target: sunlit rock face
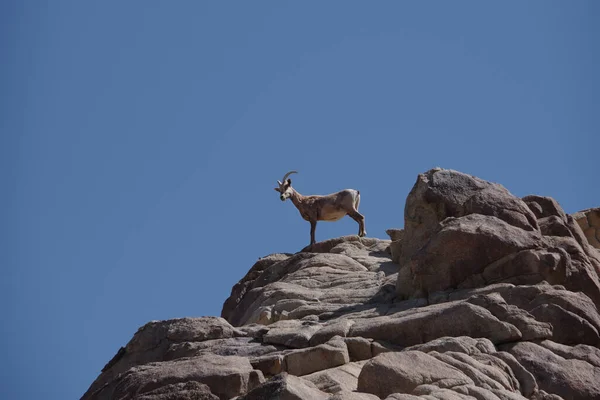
<point>463,233</point>
<point>482,295</point>
<point>589,222</point>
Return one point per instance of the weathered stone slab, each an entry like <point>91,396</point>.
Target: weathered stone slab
<point>402,372</point>
<point>306,361</point>
<point>432,322</point>
<point>286,387</point>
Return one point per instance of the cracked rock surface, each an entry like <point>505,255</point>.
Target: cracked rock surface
<point>483,295</point>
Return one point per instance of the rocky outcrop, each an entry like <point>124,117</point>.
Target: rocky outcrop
<point>461,232</point>
<point>567,375</point>
<point>482,295</point>
<point>589,222</point>
<point>336,277</point>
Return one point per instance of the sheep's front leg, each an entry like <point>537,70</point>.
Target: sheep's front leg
<point>313,227</point>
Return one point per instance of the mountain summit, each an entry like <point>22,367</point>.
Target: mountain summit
<point>482,295</point>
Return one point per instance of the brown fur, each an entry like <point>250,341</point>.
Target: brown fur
<point>331,207</point>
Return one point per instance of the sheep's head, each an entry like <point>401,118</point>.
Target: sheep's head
<point>285,188</point>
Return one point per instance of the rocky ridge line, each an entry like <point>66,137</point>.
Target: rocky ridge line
<point>482,295</point>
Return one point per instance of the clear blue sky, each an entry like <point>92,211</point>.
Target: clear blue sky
<point>141,142</point>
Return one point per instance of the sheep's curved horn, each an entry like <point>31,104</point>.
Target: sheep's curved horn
<point>288,174</point>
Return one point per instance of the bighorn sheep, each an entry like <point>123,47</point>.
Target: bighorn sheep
<point>331,207</point>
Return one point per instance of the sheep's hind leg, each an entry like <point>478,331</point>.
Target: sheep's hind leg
<point>358,217</point>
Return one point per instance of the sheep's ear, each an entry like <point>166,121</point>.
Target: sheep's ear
<point>289,182</point>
